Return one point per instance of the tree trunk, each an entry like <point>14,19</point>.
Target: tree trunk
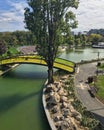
<point>50,75</point>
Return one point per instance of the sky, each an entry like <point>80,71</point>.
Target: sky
<point>90,15</point>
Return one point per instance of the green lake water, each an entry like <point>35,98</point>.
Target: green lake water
<point>20,99</point>
<point>21,91</point>
<point>83,54</point>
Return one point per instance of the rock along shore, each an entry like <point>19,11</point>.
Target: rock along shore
<point>58,107</point>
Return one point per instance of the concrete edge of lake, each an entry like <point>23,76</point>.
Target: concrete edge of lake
<point>89,61</point>
<point>50,121</point>
<point>13,66</point>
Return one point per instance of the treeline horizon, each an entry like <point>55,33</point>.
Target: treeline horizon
<point>20,38</point>
<point>17,38</point>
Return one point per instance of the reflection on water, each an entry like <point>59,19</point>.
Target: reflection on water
<point>26,75</point>
<point>20,99</point>
<point>28,72</point>
<point>83,54</point>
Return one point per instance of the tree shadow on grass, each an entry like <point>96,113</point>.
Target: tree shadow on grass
<point>8,102</point>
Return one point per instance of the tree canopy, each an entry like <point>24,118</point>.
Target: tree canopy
<point>95,38</point>
<point>49,20</point>
<point>17,38</point>
<point>2,48</point>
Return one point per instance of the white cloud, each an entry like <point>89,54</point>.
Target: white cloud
<point>90,14</point>
<point>12,19</point>
<point>18,6</point>
<point>8,16</point>
<point>10,26</point>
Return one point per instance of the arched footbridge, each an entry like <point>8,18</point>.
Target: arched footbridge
<point>35,59</point>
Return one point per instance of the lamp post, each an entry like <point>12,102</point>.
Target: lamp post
<point>98,61</point>
<point>98,55</point>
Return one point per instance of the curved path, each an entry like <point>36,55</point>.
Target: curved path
<point>91,103</point>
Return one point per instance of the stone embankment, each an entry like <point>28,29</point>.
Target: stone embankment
<point>58,107</point>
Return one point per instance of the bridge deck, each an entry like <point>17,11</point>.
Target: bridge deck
<point>35,59</point>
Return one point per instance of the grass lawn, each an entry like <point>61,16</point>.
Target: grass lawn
<point>101,66</point>
<point>65,62</point>
<point>13,50</point>
<point>100,86</point>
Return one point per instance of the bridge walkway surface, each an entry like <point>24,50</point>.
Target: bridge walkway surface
<point>35,59</point>
<point>91,103</point>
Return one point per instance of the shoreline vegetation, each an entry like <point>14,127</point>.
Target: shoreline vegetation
<point>64,110</point>
<point>99,82</point>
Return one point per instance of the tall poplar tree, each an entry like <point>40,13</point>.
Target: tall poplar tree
<point>49,20</point>
<point>2,48</point>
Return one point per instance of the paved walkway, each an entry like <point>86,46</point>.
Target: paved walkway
<point>91,103</point>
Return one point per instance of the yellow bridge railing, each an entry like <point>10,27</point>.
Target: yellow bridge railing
<point>35,59</point>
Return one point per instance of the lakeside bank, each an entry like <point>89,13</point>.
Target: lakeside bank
<point>50,121</point>
<point>61,114</point>
<point>9,69</point>
<point>81,89</point>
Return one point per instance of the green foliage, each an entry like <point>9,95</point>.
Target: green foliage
<point>11,51</point>
<point>87,117</point>
<point>101,66</point>
<point>17,38</point>
<point>2,48</point>
<point>95,38</point>
<point>96,31</point>
<point>90,123</point>
<point>80,40</point>
<point>100,86</point>
<point>49,20</point>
